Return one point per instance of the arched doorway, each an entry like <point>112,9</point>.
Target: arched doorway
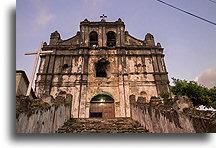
<point>102,106</point>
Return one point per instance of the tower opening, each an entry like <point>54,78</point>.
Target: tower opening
<point>111,39</point>
<point>93,37</point>
<point>101,68</point>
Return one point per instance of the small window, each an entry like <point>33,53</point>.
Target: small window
<point>65,66</point>
<point>93,38</point>
<point>101,68</point>
<point>111,39</point>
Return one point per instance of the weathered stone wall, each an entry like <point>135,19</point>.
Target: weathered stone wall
<point>128,75</point>
<point>165,119</point>
<point>22,83</point>
<point>45,121</point>
<point>203,121</point>
<point>43,115</point>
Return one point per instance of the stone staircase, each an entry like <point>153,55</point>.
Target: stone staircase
<point>100,125</point>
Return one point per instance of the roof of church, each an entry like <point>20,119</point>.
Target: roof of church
<point>102,22</point>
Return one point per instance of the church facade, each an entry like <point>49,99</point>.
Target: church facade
<point>102,67</point>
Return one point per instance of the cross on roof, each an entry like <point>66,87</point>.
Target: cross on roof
<point>103,16</point>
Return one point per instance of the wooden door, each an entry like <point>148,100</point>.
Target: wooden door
<point>108,110</point>
<point>102,110</point>
<point>96,110</point>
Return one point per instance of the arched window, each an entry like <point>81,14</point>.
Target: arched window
<point>111,39</point>
<point>101,68</point>
<point>102,98</point>
<point>93,38</point>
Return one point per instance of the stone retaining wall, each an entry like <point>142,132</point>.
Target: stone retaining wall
<point>166,119</point>
<point>45,121</point>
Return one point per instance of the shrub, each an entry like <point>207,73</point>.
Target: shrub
<point>199,95</point>
<point>166,98</point>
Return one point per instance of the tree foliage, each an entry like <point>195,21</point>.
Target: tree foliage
<point>166,98</point>
<point>199,95</point>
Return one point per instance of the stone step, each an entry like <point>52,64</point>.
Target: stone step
<point>100,125</point>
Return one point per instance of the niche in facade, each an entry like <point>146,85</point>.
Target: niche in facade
<point>101,68</point>
<point>65,68</point>
<point>93,38</point>
<point>111,39</point>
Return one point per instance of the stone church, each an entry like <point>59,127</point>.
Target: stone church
<point>102,67</point>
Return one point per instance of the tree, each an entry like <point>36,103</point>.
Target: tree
<point>166,98</point>
<point>199,95</point>
<point>212,94</point>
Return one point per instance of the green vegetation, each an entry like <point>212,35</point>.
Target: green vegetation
<point>27,105</point>
<point>166,98</point>
<point>199,95</point>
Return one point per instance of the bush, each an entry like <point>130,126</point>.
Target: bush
<point>199,95</point>
<point>166,98</point>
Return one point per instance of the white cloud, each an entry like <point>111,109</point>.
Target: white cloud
<point>42,14</point>
<point>93,3</point>
<point>207,78</point>
<point>43,17</point>
<point>97,2</point>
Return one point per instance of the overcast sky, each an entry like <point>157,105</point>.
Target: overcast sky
<point>189,43</point>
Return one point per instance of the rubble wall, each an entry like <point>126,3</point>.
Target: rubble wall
<point>45,121</point>
<point>165,119</point>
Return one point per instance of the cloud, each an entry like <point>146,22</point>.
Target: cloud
<point>97,2</point>
<point>43,17</point>
<point>207,78</point>
<point>93,3</point>
<point>42,14</point>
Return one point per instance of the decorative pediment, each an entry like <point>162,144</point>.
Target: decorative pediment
<point>132,41</point>
<point>74,41</point>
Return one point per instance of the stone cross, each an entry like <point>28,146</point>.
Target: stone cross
<point>35,65</point>
<point>103,17</point>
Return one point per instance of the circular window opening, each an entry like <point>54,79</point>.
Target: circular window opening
<point>65,66</point>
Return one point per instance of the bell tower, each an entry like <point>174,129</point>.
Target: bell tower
<point>102,34</point>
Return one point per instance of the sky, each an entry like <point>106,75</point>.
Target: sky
<point>188,42</point>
